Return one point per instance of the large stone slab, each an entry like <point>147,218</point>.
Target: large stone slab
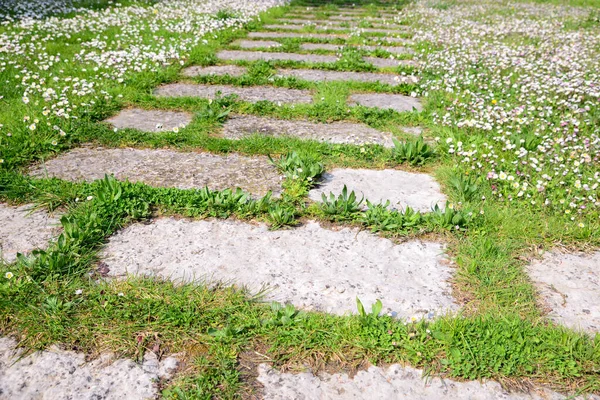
<point>310,266</point>
<point>23,230</point>
<point>389,62</point>
<point>393,382</point>
<point>418,191</point>
<point>396,102</point>
<point>238,55</point>
<point>317,75</point>
<point>336,47</point>
<point>301,27</point>
<point>256,44</point>
<point>239,126</point>
<point>166,168</point>
<point>248,93</point>
<point>220,70</point>
<point>59,374</point>
<point>294,35</point>
<point>150,120</point>
<point>569,284</point>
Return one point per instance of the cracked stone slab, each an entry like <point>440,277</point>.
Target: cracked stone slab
<point>59,374</point>
<point>396,102</point>
<point>251,94</point>
<point>312,267</point>
<point>419,191</point>
<point>150,120</point>
<point>239,126</point>
<point>166,168</point>
<point>255,44</point>
<point>389,62</point>
<point>23,230</point>
<point>237,55</point>
<point>393,382</point>
<point>220,70</point>
<point>569,283</point>
<point>317,75</point>
<point>293,35</point>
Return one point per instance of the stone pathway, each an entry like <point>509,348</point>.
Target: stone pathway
<point>23,230</point>
<point>410,278</point>
<point>292,35</point>
<point>150,120</point>
<point>166,168</point>
<point>240,126</point>
<point>238,55</point>
<point>255,44</point>
<point>317,75</point>
<point>418,191</point>
<point>231,70</point>
<point>396,102</point>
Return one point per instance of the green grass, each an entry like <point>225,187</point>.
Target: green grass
<point>501,334</point>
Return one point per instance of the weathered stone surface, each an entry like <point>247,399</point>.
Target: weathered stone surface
<point>321,46</point>
<point>389,62</point>
<point>236,55</point>
<point>57,374</point>
<point>395,30</point>
<point>231,70</point>
<point>23,230</point>
<point>248,93</point>
<point>396,102</point>
<point>393,382</point>
<point>166,168</point>
<point>413,130</point>
<point>336,47</point>
<point>239,126</point>
<point>309,266</point>
<point>418,191</point>
<point>255,44</point>
<point>301,27</point>
<point>150,120</point>
<point>569,284</point>
<point>292,35</point>
<point>390,49</point>
<point>317,75</point>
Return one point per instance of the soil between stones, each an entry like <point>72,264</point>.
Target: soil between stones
<point>22,231</point>
<point>166,168</point>
<point>570,286</point>
<point>58,374</point>
<point>311,267</point>
<point>239,126</point>
<point>418,191</point>
<point>150,120</point>
<point>251,93</point>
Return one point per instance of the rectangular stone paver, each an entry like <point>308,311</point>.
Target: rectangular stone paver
<point>231,70</point>
<point>235,55</point>
<point>301,27</point>
<point>292,35</point>
<point>317,75</point>
<point>166,168</point>
<point>240,126</point>
<point>251,94</point>
<point>150,120</point>
<point>255,44</point>
<point>389,62</point>
<point>396,102</point>
<point>335,47</point>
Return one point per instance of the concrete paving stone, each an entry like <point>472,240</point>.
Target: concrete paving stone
<point>237,55</point>
<point>413,130</point>
<point>220,70</point>
<point>247,93</point>
<point>166,168</point>
<point>569,284</point>
<point>321,46</point>
<point>254,44</point>
<point>23,230</point>
<point>336,47</point>
<point>419,191</point>
<point>316,75</point>
<point>58,374</point>
<point>299,35</point>
<point>394,382</point>
<point>389,62</point>
<point>390,49</point>
<point>396,30</point>
<point>150,120</point>
<point>239,126</point>
<point>396,102</point>
<point>309,266</point>
<point>301,27</point>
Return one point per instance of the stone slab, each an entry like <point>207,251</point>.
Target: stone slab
<point>389,62</point>
<point>570,285</point>
<point>166,168</point>
<point>255,44</point>
<point>321,46</point>
<point>419,191</point>
<point>295,35</point>
<point>396,102</point>
<point>23,230</point>
<point>220,70</point>
<point>238,55</point>
<point>301,27</point>
<point>317,75</point>
<point>312,267</point>
<point>239,126</point>
<point>59,374</point>
<point>393,382</point>
<point>251,94</point>
<point>150,120</point>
